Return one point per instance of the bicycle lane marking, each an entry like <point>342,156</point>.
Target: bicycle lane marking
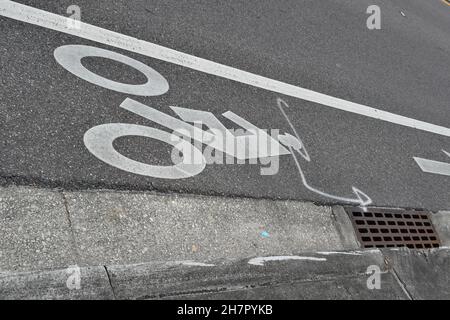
<point>87,31</point>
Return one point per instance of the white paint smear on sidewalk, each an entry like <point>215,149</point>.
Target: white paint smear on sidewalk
<point>59,23</point>
<point>260,261</point>
<point>191,263</point>
<point>329,253</point>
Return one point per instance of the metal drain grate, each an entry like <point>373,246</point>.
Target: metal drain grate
<point>382,228</point>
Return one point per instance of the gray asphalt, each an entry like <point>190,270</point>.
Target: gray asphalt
<point>324,46</point>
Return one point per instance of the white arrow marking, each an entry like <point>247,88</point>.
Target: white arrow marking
<point>290,141</point>
<point>59,23</point>
<point>436,167</point>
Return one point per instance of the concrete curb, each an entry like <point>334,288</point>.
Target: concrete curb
<point>404,274</point>
<point>50,229</point>
<point>204,245</point>
<point>52,285</point>
<point>441,222</point>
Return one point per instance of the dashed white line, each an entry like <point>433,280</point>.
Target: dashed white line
<point>59,23</point>
<point>435,167</point>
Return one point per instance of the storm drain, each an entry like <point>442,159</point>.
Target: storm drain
<point>382,228</point>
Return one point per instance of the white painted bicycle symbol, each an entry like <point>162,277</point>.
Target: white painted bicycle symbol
<point>99,139</point>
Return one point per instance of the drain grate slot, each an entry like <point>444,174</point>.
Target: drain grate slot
<point>383,228</point>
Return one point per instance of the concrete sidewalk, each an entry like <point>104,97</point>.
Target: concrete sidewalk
<point>50,229</point>
<point>147,245</point>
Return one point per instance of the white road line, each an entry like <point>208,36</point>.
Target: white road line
<point>59,23</point>
<point>435,167</point>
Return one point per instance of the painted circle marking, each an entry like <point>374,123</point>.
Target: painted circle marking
<point>99,141</point>
<point>69,57</point>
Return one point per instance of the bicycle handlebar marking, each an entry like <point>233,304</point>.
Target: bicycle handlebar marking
<point>99,139</point>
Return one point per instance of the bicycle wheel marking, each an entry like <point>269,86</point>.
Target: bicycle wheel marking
<point>99,141</point>
<point>59,23</point>
<point>69,57</point>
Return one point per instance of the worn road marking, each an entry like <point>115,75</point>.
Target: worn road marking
<point>56,22</point>
<point>361,198</point>
<point>434,167</point>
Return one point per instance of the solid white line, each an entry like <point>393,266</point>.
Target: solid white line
<point>59,23</point>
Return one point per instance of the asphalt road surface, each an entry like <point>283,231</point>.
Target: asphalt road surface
<point>324,46</point>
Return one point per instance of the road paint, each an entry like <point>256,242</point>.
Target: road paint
<point>87,31</point>
<point>361,198</point>
<point>353,252</point>
<point>300,148</point>
<point>69,57</point>
<point>435,167</point>
<point>99,141</point>
<point>328,253</point>
<point>260,261</point>
<point>191,263</point>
